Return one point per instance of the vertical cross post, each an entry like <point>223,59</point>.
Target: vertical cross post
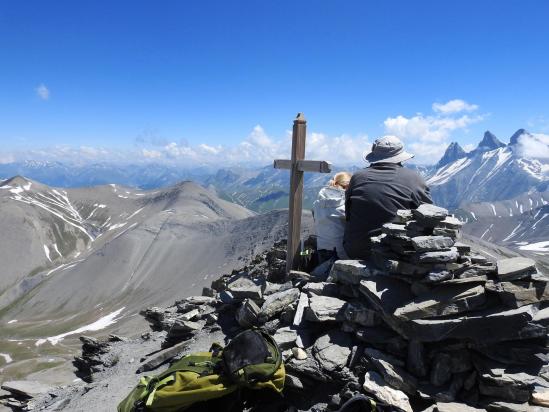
<point>296,192</point>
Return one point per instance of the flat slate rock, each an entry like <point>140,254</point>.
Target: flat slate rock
<point>430,212</point>
<point>277,302</point>
<point>350,272</point>
<point>439,256</point>
<point>375,385</point>
<point>443,300</point>
<point>332,350</point>
<point>430,243</point>
<point>394,229</point>
<point>162,357</point>
<point>491,325</point>
<point>394,374</point>
<point>515,268</point>
<point>325,309</point>
<point>285,338</point>
<point>519,293</point>
<point>244,287</point>
<point>385,293</point>
<point>452,407</point>
<point>321,288</point>
<point>27,389</point>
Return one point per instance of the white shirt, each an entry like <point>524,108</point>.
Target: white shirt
<point>329,217</point>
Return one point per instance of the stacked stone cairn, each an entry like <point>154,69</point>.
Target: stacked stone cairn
<point>426,324</point>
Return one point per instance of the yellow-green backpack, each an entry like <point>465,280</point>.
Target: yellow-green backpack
<point>251,360</point>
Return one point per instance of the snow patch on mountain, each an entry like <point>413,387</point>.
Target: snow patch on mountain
<point>99,324</point>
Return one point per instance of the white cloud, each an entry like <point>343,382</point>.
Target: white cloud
<point>43,92</point>
<point>210,149</point>
<point>151,154</point>
<point>454,106</point>
<point>534,145</point>
<point>427,128</point>
<point>469,147</point>
<point>7,158</point>
<point>428,135</point>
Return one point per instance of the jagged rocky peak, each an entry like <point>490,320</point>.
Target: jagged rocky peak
<point>452,153</point>
<point>489,142</point>
<point>516,135</point>
<point>17,181</point>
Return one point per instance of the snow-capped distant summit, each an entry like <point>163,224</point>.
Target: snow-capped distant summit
<point>492,172</point>
<point>488,142</point>
<point>452,153</point>
<point>514,139</point>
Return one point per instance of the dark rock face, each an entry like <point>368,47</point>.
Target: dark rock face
<point>489,142</point>
<point>453,152</point>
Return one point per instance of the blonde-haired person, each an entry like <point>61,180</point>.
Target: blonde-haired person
<point>329,217</point>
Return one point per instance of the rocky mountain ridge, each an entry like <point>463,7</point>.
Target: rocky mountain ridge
<point>87,259</point>
<point>432,325</point>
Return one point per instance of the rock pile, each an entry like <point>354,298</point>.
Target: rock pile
<point>426,324</point>
<point>95,356</point>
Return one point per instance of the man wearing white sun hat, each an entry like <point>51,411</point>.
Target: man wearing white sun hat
<point>376,193</point>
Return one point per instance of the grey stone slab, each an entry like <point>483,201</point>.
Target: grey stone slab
<point>437,276</point>
<point>350,272</point>
<point>398,267</point>
<point>270,287</point>
<point>307,367</point>
<point>519,293</point>
<point>443,256</point>
<point>26,388</point>
<point>452,222</point>
<point>302,304</point>
<point>443,300</point>
<point>275,303</point>
<point>285,338</point>
<point>515,268</point>
<point>491,325</point>
<point>321,288</point>
<point>385,293</point>
<point>332,350</point>
<point>394,229</point>
<point>432,243</point>
<point>392,373</point>
<point>247,314</point>
<point>244,287</point>
<point>430,212</point>
<point>375,385</point>
<point>162,357</point>
<point>501,406</point>
<point>404,215</point>
<point>452,407</point>
<point>325,309</point>
<point>540,397</point>
<point>480,280</point>
<point>200,300</point>
<point>462,247</point>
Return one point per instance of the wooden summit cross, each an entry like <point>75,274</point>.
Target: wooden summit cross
<point>297,166</point>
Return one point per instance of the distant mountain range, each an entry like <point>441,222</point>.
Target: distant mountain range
<point>72,256</point>
<point>493,171</point>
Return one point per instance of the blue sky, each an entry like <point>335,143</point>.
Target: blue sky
<point>177,79</point>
